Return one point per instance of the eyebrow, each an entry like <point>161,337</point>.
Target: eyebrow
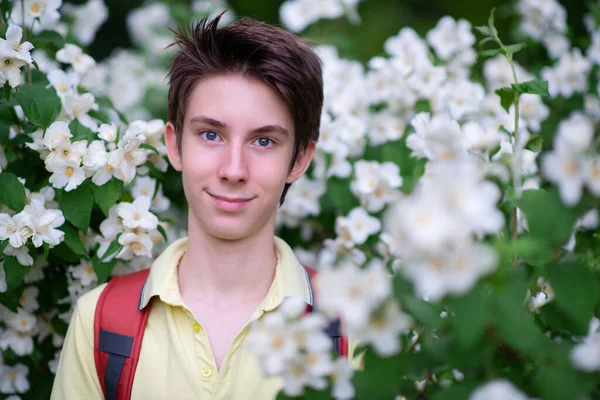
<point>219,124</point>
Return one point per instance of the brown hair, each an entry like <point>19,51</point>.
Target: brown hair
<point>255,49</point>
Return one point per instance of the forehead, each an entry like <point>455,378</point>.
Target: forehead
<point>238,101</point>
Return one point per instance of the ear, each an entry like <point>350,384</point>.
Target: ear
<point>172,149</point>
<point>302,162</point>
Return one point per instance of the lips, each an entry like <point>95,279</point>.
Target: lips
<point>230,203</point>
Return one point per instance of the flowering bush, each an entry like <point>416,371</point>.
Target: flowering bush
<point>451,206</point>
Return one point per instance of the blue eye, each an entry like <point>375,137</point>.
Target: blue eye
<point>264,141</point>
<point>210,135</point>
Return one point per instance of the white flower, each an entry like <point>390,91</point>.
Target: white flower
<point>95,157</point>
<point>20,343</point>
<point>110,169</point>
<point>134,245</point>
<point>36,272</point>
<point>28,298</point>
<point>107,132</point>
<point>352,292</point>
<point>296,376</point>
<point>88,19</point>
<point>567,170</point>
<point>42,223</point>
<point>84,271</point>
<point>427,80</point>
<point>58,135</point>
<point>436,138</point>
<point>342,379</point>
<point>450,37</point>
<point>383,330</point>
<point>376,184</point>
<point>499,389</point>
<point>384,127</point>
<point>271,341</point>
<point>68,175</point>
<point>65,152</point>
<point>14,229</point>
<point>22,254</point>
<point>74,56</point>
<point>14,379</point>
<point>39,14</point>
<point>127,160</point>
<point>14,34</point>
<point>355,228</point>
<point>64,83</point>
<point>301,201</point>
<point>77,106</point>
<point>10,65</point>
<point>137,214</point>
<point>569,76</point>
<point>459,98</point>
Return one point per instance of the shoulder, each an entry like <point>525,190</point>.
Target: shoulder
<point>86,307</point>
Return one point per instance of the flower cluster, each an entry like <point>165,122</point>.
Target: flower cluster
<point>38,221</point>
<point>296,15</point>
<point>13,56</point>
<point>299,350</point>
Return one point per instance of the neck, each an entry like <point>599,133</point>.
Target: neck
<point>227,271</point>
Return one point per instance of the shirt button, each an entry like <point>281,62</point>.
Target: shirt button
<point>206,372</point>
<point>197,327</point>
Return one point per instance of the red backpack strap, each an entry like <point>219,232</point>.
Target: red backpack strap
<point>118,331</point>
<point>334,330</point>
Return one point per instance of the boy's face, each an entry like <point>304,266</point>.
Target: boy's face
<point>237,146</point>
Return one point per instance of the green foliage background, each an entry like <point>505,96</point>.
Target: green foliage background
<point>380,20</point>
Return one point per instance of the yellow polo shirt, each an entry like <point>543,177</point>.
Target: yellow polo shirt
<point>176,360</point>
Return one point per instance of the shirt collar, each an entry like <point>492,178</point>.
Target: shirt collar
<point>291,278</point>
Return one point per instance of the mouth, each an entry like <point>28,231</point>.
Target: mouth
<point>230,203</point>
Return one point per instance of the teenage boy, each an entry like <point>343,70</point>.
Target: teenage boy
<point>245,103</point>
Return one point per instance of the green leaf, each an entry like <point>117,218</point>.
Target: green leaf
<point>380,378</point>
<point>458,391</point>
<point>577,292</point>
<point>483,30</point>
<point>535,86</point>
<point>77,205</point>
<point>15,272</point>
<point>534,251</point>
<point>40,105</point>
<point>148,147</point>
<point>492,28</point>
<point>7,91</point>
<point>113,247</point>
<point>470,315</point>
<point>107,195</point>
<point>103,269</point>
<point>162,232</point>
<point>80,132</point>
<point>421,310</point>
<point>548,219</point>
<point>559,381</point>
<point>50,37</point>
<point>516,328</point>
<point>338,191</point>
<point>74,242</point>
<point>13,192</point>
<point>513,48</point>
<point>59,326</point>
<point>3,245</point>
<point>488,53</point>
<point>46,247</point>
<point>507,97</point>
<point>535,143</point>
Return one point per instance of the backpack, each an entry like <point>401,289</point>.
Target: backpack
<point>119,329</point>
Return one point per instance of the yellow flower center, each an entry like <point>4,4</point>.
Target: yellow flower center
<point>69,171</point>
<point>35,7</point>
<point>136,247</point>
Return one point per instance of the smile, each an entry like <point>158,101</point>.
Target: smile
<point>229,204</point>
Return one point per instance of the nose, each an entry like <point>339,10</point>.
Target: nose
<point>234,164</point>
